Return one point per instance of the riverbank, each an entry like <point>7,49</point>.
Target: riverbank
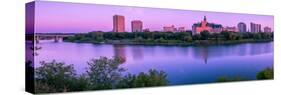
<point>195,43</point>
<point>171,38</point>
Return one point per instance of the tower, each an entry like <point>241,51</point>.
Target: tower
<point>118,23</point>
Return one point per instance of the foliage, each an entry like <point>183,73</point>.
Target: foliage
<point>205,35</point>
<point>102,73</point>
<point>158,37</point>
<point>152,78</point>
<point>262,75</point>
<point>227,79</point>
<point>265,74</point>
<point>55,74</point>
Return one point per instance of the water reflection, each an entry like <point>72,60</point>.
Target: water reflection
<point>137,53</point>
<point>201,53</point>
<point>119,51</point>
<point>220,51</point>
<point>203,64</point>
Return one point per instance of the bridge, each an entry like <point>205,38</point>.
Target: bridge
<point>47,36</point>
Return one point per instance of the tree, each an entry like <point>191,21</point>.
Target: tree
<point>139,39</point>
<point>265,74</point>
<point>80,83</point>
<point>161,40</point>
<point>226,35</point>
<point>187,38</point>
<point>257,36</point>
<point>196,37</point>
<point>215,36</point>
<point>152,78</point>
<point>104,73</point>
<point>205,35</point>
<point>55,75</point>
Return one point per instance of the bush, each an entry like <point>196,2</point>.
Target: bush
<point>265,74</point>
<point>205,35</point>
<point>152,78</point>
<point>102,73</point>
<point>227,79</point>
<point>54,75</point>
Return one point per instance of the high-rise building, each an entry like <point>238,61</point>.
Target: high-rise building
<point>169,28</point>
<point>267,29</point>
<point>206,26</point>
<point>118,23</point>
<point>242,27</point>
<point>255,27</point>
<point>259,28</point>
<point>136,26</point>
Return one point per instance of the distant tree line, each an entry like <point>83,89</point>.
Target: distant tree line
<point>102,73</point>
<point>157,37</point>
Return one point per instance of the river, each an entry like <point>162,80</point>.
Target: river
<point>184,65</point>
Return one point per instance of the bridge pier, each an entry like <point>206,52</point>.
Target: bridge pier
<point>36,39</point>
<point>57,39</point>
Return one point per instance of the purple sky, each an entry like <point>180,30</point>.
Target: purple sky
<point>58,17</point>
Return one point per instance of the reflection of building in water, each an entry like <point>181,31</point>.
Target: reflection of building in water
<point>137,53</point>
<point>260,48</point>
<point>202,53</point>
<point>119,51</point>
<point>216,52</point>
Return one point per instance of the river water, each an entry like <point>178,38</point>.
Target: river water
<point>184,65</point>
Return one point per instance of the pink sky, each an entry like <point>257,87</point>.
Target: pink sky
<point>59,17</point>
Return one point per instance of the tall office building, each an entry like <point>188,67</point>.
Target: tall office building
<point>242,27</point>
<point>136,26</point>
<point>118,23</point>
<point>259,28</point>
<point>255,27</point>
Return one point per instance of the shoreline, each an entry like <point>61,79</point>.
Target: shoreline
<point>195,43</point>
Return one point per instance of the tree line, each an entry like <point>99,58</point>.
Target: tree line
<point>158,37</point>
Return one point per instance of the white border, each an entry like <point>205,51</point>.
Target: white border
<point>12,47</point>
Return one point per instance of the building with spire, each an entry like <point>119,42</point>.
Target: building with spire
<point>206,26</point>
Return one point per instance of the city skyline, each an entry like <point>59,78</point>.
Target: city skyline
<point>80,18</point>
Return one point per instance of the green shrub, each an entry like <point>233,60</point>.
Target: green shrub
<point>102,73</point>
<point>265,74</point>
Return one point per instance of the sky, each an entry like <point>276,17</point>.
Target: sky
<point>61,17</point>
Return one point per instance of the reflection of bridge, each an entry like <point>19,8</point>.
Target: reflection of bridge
<point>48,36</point>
